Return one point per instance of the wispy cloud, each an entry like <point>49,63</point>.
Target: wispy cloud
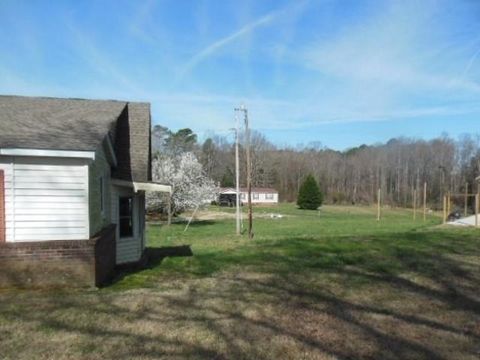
<point>384,48</point>
<point>399,57</point>
<point>297,66</point>
<point>470,63</point>
<point>217,45</point>
<point>214,111</point>
<point>398,114</point>
<point>141,17</point>
<point>246,29</point>
<point>98,60</point>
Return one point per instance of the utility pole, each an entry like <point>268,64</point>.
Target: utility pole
<point>237,177</point>
<point>249,172</point>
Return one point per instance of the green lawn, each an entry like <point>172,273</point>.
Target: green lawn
<point>334,284</point>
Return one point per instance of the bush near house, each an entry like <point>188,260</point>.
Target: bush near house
<point>309,197</point>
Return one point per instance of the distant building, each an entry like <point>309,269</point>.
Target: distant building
<point>227,196</point>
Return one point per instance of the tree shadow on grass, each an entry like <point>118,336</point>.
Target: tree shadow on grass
<point>381,260</point>
<point>281,308</point>
<point>228,319</point>
<point>152,258</point>
<point>155,255</point>
<point>184,221</point>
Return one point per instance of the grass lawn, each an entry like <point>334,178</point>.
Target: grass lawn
<point>334,284</point>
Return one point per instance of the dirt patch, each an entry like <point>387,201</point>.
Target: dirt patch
<point>212,215</point>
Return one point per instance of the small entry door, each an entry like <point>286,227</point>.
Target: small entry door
<point>125,216</point>
<point>128,240</point>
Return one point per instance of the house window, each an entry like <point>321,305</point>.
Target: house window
<point>256,196</point>
<point>243,196</point>
<point>268,196</point>
<point>125,209</point>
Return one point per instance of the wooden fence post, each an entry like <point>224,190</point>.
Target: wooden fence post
<point>378,204</point>
<point>476,209</point>
<point>414,204</point>
<point>444,207</point>
<point>449,203</point>
<point>425,201</point>
<point>169,209</point>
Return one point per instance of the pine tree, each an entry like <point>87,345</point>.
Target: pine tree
<point>309,196</point>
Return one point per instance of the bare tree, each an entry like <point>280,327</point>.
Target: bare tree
<point>353,176</point>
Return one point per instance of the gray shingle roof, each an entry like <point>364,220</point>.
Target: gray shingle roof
<point>51,123</point>
<point>78,124</point>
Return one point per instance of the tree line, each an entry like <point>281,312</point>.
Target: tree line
<point>352,176</point>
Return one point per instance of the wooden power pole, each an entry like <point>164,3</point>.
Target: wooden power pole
<point>249,172</point>
<point>237,179</point>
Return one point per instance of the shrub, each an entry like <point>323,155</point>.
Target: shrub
<point>309,196</point>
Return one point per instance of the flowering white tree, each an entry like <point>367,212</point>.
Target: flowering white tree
<point>191,188</point>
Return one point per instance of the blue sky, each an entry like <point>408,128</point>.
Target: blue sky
<point>336,71</point>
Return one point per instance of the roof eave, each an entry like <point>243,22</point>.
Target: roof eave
<point>48,153</point>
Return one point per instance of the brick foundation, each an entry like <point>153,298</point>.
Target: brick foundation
<point>66,263</point>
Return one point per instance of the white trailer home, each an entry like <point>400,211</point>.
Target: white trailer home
<point>73,176</point>
<point>259,195</point>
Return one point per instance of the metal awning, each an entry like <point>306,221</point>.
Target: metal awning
<point>143,186</point>
<point>150,186</point>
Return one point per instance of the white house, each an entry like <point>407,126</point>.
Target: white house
<point>259,195</point>
<point>73,176</point>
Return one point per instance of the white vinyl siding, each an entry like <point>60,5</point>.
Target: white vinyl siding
<point>258,197</point>
<point>261,198</point>
<point>46,198</point>
<point>267,198</point>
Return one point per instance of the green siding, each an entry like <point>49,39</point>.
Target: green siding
<point>98,168</point>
